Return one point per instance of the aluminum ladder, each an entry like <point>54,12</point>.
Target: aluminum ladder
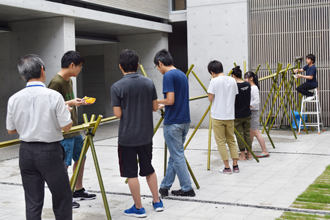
<point>318,113</point>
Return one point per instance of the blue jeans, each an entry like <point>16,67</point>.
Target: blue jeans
<point>175,136</point>
<point>72,147</point>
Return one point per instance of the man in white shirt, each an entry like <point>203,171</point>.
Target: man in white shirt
<point>39,115</point>
<point>222,92</point>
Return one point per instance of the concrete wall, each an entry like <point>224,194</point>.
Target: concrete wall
<point>49,38</point>
<point>217,30</point>
<point>146,45</point>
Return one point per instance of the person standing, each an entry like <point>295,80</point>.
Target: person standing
<point>310,77</point>
<point>176,123</point>
<point>222,93</point>
<point>252,78</point>
<point>38,114</point>
<point>71,64</point>
<point>242,112</point>
<point>134,98</point>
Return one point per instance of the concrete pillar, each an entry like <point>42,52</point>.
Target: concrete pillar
<point>49,38</point>
<point>217,30</point>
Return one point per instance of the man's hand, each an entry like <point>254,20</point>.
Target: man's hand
<point>160,106</point>
<point>76,102</point>
<point>296,71</point>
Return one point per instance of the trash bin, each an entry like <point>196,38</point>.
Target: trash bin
<point>296,115</point>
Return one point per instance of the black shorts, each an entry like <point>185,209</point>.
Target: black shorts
<point>128,165</point>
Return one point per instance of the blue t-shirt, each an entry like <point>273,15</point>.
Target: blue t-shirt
<point>177,82</point>
<point>311,71</point>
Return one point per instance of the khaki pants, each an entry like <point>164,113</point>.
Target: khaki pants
<point>224,132</point>
<point>242,125</point>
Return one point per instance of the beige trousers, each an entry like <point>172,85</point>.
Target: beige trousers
<point>224,132</point>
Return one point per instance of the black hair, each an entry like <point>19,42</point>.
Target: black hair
<point>215,66</point>
<point>30,66</point>
<point>129,60</point>
<point>254,76</point>
<point>71,57</point>
<point>237,72</point>
<point>165,57</point>
<point>311,57</point>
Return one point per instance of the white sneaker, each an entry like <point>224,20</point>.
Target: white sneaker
<point>310,98</point>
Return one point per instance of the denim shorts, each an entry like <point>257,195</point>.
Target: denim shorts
<point>72,147</point>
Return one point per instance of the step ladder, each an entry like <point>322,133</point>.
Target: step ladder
<point>318,112</point>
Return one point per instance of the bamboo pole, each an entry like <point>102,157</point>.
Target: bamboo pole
<point>189,70</point>
<point>192,174</point>
<point>200,82</point>
<point>165,158</point>
<point>209,141</point>
<point>246,145</point>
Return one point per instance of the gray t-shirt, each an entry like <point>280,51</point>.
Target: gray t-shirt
<point>134,94</point>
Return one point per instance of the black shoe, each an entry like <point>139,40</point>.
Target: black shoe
<point>190,193</point>
<point>163,192</point>
<point>75,205</point>
<point>82,194</point>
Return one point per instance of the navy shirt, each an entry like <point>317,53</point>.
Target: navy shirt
<point>311,71</point>
<point>134,94</point>
<point>177,82</point>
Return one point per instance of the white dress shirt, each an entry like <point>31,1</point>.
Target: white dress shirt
<point>37,113</point>
<point>254,98</point>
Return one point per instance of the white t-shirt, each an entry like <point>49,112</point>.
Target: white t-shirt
<point>224,89</point>
<point>254,98</point>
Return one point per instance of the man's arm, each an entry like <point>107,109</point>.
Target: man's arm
<point>68,127</point>
<point>169,99</point>
<point>12,132</point>
<point>310,77</point>
<point>211,97</point>
<point>117,111</point>
<point>155,105</point>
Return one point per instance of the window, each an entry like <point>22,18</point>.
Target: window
<point>178,5</point>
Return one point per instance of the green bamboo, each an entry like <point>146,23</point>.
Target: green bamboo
<point>196,128</point>
<point>200,82</point>
<point>198,97</point>
<point>143,71</point>
<point>270,139</point>
<point>244,64</point>
<point>246,145</point>
<point>99,177</point>
<point>257,70</point>
<point>189,70</point>
<point>235,65</point>
<point>209,141</point>
<point>192,174</point>
<point>275,96</point>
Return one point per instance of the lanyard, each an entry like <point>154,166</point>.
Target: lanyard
<point>34,85</point>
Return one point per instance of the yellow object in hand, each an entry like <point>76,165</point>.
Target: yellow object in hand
<point>89,100</point>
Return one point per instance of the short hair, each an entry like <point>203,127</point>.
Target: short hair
<point>237,72</point>
<point>165,57</point>
<point>215,66</point>
<point>311,57</point>
<point>71,57</point>
<point>129,60</point>
<point>29,66</point>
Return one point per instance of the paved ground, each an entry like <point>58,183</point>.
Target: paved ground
<point>260,191</point>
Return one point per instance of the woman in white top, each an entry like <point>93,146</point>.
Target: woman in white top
<point>254,106</point>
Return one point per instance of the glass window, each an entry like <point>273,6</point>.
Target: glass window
<point>178,5</point>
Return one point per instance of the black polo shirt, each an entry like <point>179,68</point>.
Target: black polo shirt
<point>134,94</point>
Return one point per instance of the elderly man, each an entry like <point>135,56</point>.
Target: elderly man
<point>38,114</point>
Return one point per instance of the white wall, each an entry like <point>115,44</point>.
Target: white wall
<point>217,30</point>
<point>146,45</point>
<point>49,38</point>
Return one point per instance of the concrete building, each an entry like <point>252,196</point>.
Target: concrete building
<point>194,31</point>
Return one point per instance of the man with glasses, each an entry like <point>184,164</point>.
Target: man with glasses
<point>71,64</point>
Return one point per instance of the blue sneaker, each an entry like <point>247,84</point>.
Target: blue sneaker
<point>158,206</point>
<point>139,213</point>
